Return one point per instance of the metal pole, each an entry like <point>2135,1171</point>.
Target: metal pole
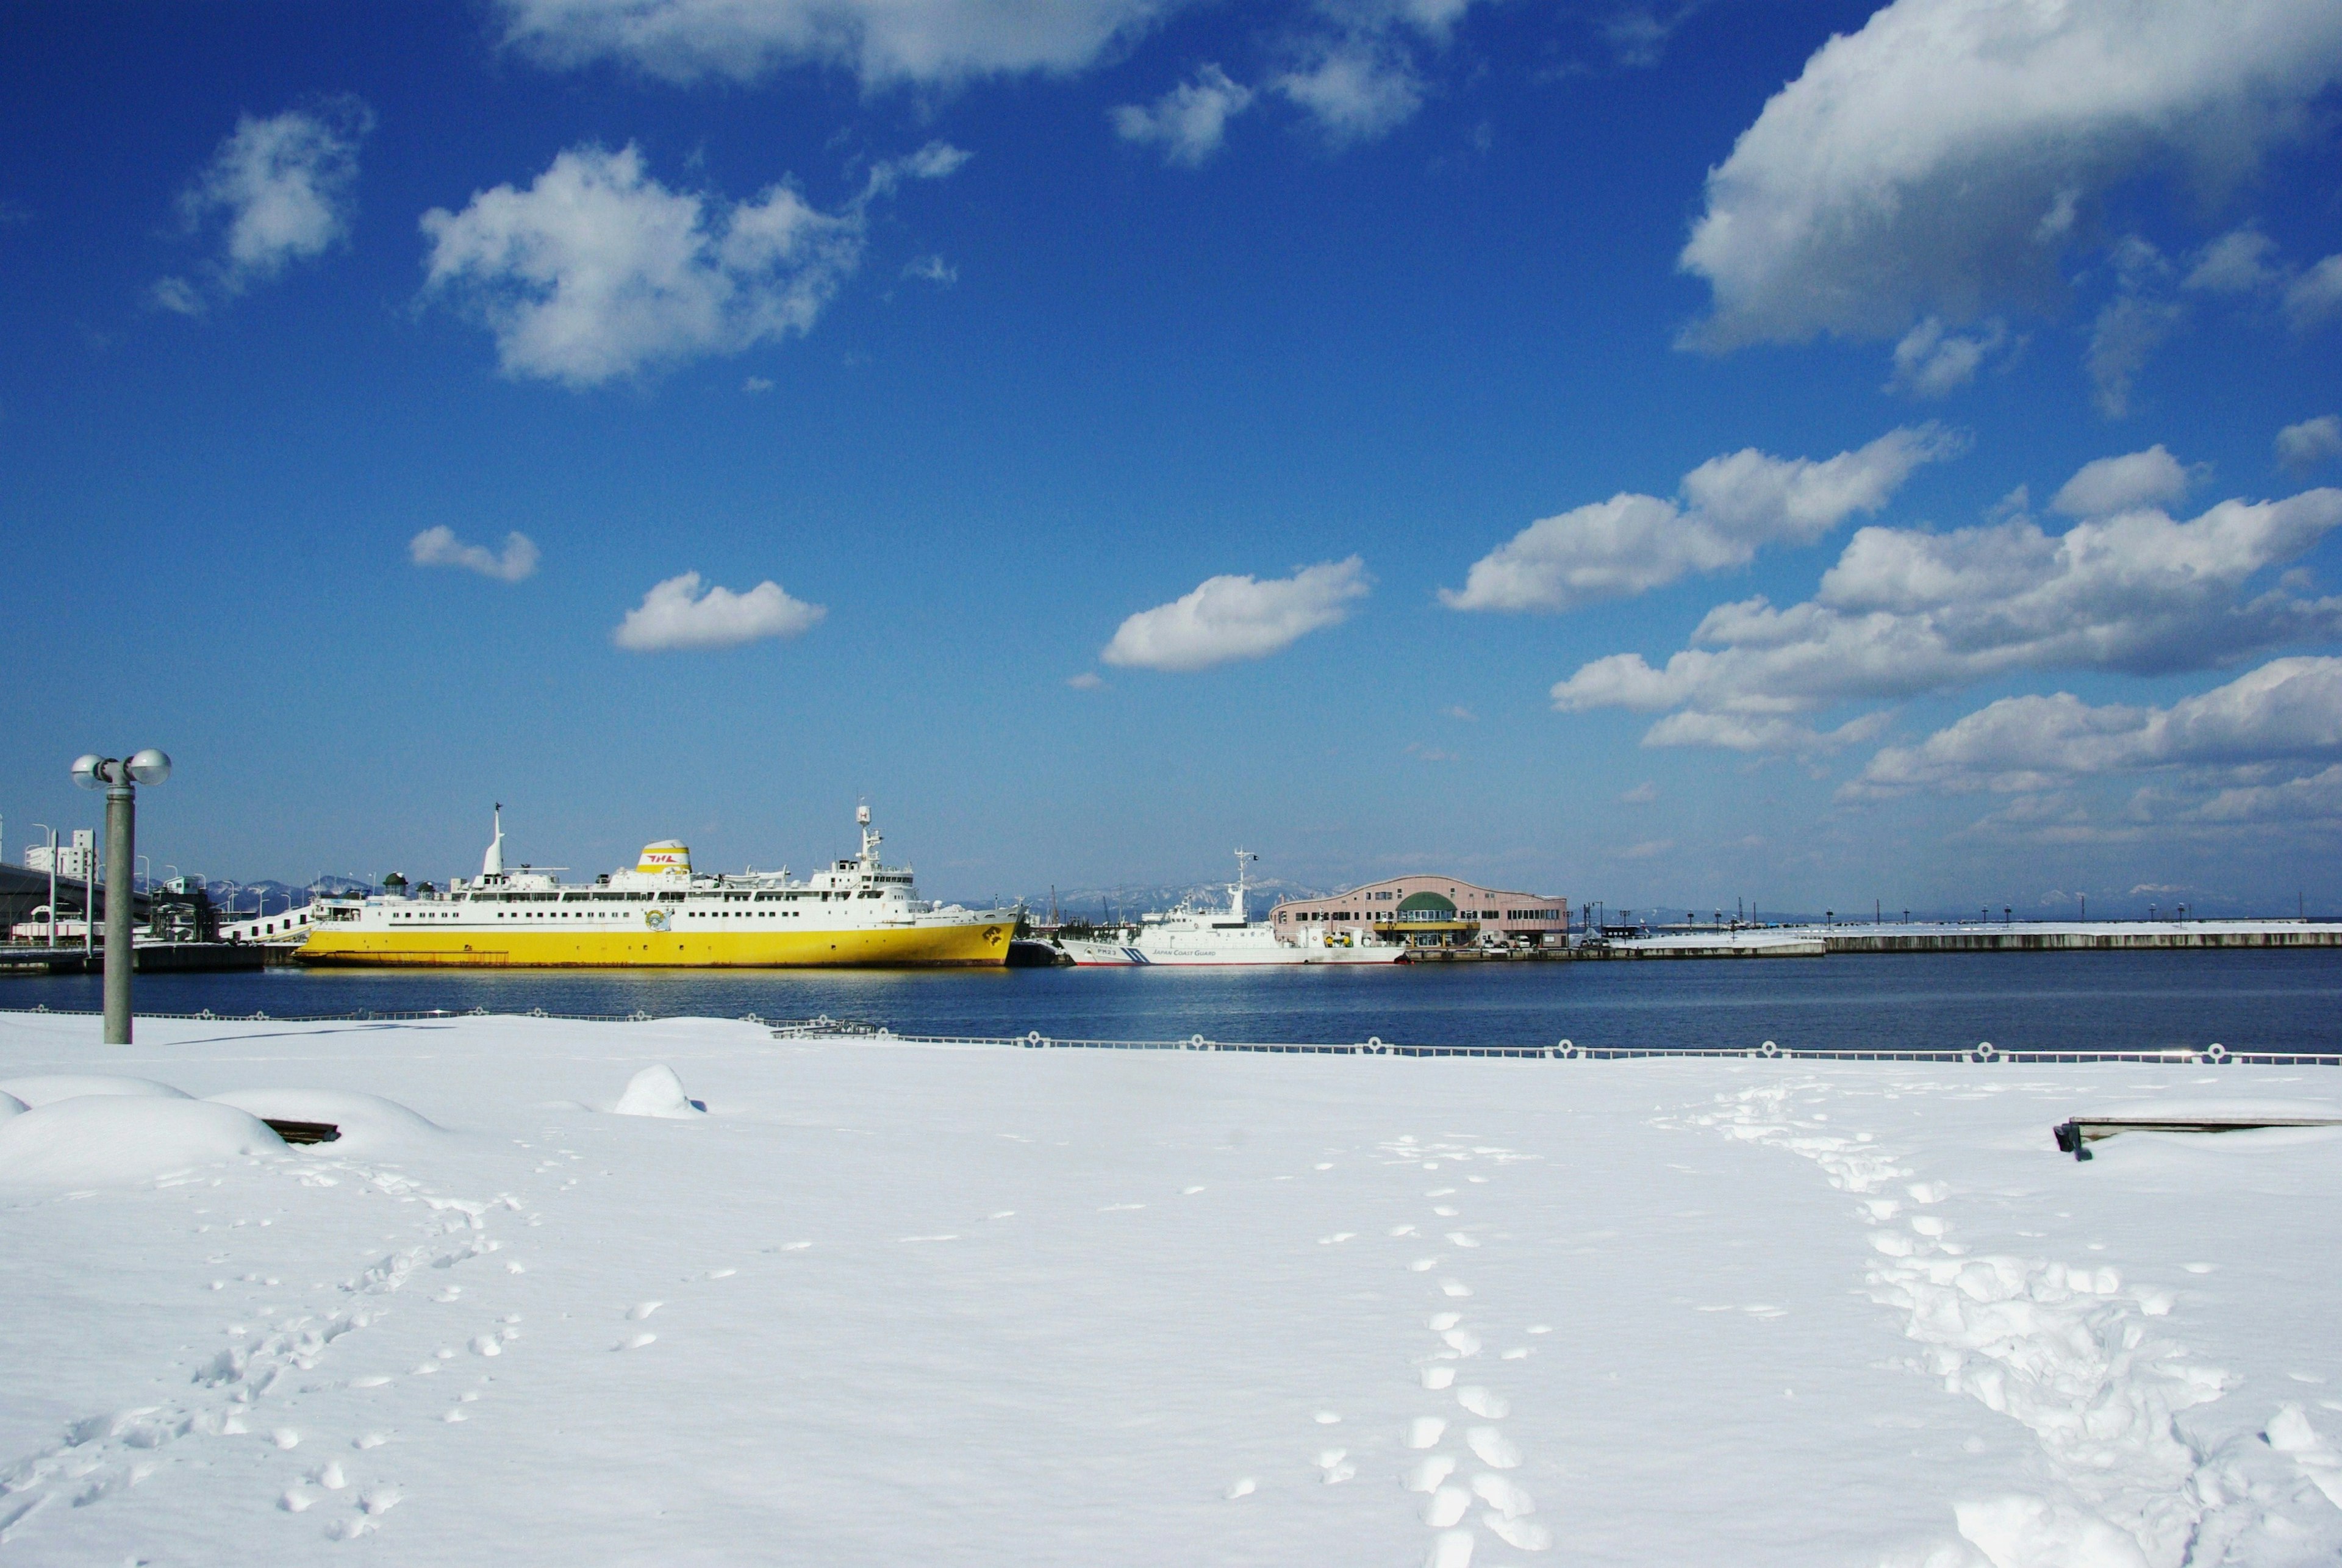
<point>121,832</point>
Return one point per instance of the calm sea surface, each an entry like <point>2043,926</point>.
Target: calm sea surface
<point>2030,1002</point>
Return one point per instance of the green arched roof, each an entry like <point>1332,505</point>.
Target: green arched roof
<point>1426,901</point>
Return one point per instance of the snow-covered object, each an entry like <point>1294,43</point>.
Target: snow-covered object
<point>1053,1308</point>
<point>53,1086</point>
<point>368,1123</point>
<point>655,1092</point>
<point>120,1140</point>
<point>10,1107</point>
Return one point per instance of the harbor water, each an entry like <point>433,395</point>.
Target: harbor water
<point>2077,1002</point>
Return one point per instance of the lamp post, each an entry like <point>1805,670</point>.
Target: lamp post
<point>119,779</point>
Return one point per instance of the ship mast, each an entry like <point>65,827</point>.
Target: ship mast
<point>1236,888</point>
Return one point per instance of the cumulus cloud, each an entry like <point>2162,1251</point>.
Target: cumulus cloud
<point>1188,123</point>
<point>1643,793</point>
<point>440,547</point>
<point>1931,362</point>
<point>1232,617</point>
<point>1903,612</point>
<point>2315,297</point>
<point>2110,484</point>
<point>1356,89</point>
<point>882,42</point>
<point>279,190</point>
<point>597,271</point>
<point>2310,443</point>
<point>932,269</point>
<point>678,614</point>
<point>1943,159</point>
<point>1087,681</point>
<point>2285,711</point>
<point>1730,507</point>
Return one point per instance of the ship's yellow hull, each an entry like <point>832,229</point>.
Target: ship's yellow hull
<point>968,946</point>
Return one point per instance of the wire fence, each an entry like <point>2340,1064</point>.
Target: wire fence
<point>856,1031</point>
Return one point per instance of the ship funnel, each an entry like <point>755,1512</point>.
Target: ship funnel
<point>493,863</point>
<point>667,857</point>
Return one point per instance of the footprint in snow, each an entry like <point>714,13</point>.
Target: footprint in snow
<point>1493,1448</point>
<point>1439,1377</point>
<point>1484,1402</point>
<point>1403,1231</point>
<point>1336,1237</point>
<point>1243,1487</point>
<point>641,1310</point>
<point>1425,1431</point>
<point>1189,1192</point>
<point>636,1343</point>
<point>1454,1288</point>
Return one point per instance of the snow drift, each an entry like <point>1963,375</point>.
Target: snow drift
<point>121,1139</point>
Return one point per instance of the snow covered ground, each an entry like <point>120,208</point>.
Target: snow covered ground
<point>909,1304</point>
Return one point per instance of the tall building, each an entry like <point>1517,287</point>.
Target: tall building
<point>1431,912</point>
<point>74,860</point>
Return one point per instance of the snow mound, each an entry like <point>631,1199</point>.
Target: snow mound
<point>369,1123</point>
<point>117,1140</point>
<point>55,1086</point>
<point>10,1107</point>
<point>657,1092</point>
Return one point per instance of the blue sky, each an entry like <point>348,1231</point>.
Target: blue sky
<point>1632,453</point>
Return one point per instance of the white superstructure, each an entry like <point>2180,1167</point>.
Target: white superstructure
<point>1192,934</point>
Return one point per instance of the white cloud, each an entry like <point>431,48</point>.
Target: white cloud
<point>2128,331</point>
<point>1930,362</point>
<point>1189,122</point>
<point>177,295</point>
<point>757,383</point>
<point>1087,681</point>
<point>1649,849</point>
<point>1762,733</point>
<point>2315,297</point>
<point>1638,34</point>
<point>281,188</point>
<point>882,42</point>
<point>597,271</point>
<point>1356,89</point>
<point>440,547</point>
<point>2235,263</point>
<point>2111,485</point>
<point>2285,711</point>
<point>2310,443</point>
<point>1231,618</point>
<point>1905,611</point>
<point>1731,507</point>
<point>1942,159</point>
<point>1643,793</point>
<point>677,615</point>
<point>933,269</point>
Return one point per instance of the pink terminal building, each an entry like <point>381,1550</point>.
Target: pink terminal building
<point>1430,912</point>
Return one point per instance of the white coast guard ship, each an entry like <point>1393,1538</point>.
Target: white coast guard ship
<point>663,914</point>
<point>1190,934</point>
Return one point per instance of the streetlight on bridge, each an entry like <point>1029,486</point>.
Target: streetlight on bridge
<point>119,779</point>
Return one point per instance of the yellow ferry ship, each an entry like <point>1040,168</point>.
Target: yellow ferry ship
<point>661,914</point>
